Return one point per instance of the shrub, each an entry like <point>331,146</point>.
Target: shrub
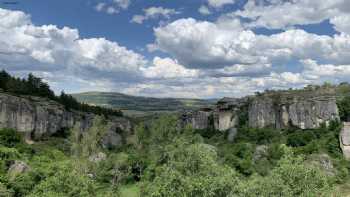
<point>66,181</point>
<point>9,137</point>
<point>300,138</point>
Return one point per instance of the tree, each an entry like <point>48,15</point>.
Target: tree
<point>65,182</point>
<point>344,108</point>
<point>292,177</point>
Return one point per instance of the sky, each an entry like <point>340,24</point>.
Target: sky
<point>177,48</point>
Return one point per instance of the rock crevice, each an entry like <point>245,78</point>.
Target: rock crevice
<point>37,117</point>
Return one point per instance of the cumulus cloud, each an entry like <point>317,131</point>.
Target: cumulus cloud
<point>114,7</point>
<point>168,68</point>
<point>205,59</point>
<point>272,13</point>
<point>152,13</point>
<point>204,10</point>
<point>202,44</point>
<point>27,47</point>
<point>219,3</point>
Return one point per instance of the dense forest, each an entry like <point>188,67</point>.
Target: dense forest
<point>35,86</point>
<point>163,160</point>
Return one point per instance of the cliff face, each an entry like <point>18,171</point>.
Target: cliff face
<point>344,139</point>
<point>286,111</point>
<point>223,117</point>
<point>38,117</point>
<point>305,110</point>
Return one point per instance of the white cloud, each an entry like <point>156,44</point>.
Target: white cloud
<point>168,68</point>
<point>202,44</point>
<point>219,3</point>
<point>204,10</point>
<point>152,13</point>
<point>99,7</point>
<point>114,7</point>
<point>124,4</point>
<point>272,13</point>
<point>341,23</point>
<point>25,46</point>
<point>317,71</point>
<point>206,59</point>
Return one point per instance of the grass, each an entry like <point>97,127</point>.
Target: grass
<point>343,190</point>
<point>130,191</point>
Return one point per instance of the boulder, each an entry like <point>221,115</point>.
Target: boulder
<point>344,139</point>
<point>98,157</point>
<point>322,161</point>
<point>17,168</point>
<point>231,134</point>
<point>260,152</point>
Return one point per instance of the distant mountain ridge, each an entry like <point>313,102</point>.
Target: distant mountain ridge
<point>140,103</point>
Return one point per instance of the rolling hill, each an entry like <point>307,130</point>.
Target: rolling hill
<point>141,105</point>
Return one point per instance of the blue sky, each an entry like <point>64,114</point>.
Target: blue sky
<point>177,48</point>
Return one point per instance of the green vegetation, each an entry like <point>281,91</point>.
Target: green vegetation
<point>141,105</point>
<point>162,159</point>
<point>34,86</point>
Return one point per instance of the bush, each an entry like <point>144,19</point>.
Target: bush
<point>9,137</point>
<point>4,192</point>
<point>290,178</point>
<point>300,138</point>
<point>66,181</point>
<point>258,136</point>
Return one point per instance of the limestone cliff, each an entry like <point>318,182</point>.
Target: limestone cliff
<point>286,110</point>
<point>224,117</point>
<point>38,117</point>
<point>344,139</point>
<point>281,109</point>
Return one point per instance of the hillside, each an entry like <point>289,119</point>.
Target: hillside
<point>141,104</point>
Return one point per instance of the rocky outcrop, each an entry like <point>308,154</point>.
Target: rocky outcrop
<point>17,168</point>
<point>222,118</point>
<point>284,110</point>
<point>38,117</point>
<point>280,109</point>
<point>200,119</point>
<point>344,139</point>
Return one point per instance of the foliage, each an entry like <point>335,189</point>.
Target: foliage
<point>84,144</point>
<point>9,137</point>
<point>4,192</point>
<point>192,171</point>
<point>66,181</point>
<point>35,86</point>
<point>344,108</point>
<point>166,160</point>
<point>292,177</point>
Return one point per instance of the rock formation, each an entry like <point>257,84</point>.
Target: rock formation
<point>38,117</point>
<point>281,109</point>
<point>17,168</point>
<point>286,110</point>
<point>344,139</point>
<point>223,117</point>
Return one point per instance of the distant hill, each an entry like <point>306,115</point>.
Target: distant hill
<point>138,104</point>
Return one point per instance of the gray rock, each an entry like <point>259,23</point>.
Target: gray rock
<point>260,152</point>
<point>284,109</point>
<point>344,139</point>
<point>324,162</point>
<point>231,134</point>
<point>17,168</point>
<point>304,112</point>
<point>98,157</point>
<point>37,117</point>
<point>197,119</point>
